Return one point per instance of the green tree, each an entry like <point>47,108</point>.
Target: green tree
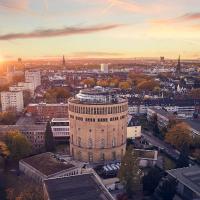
<point>166,189</point>
<point>129,173</point>
<point>183,160</point>
<point>151,179</point>
<point>18,145</point>
<point>49,140</point>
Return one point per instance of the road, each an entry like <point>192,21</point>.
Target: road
<point>168,149</point>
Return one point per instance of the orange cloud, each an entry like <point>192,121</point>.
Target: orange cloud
<point>183,18</point>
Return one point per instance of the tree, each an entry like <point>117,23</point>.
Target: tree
<point>4,152</point>
<point>166,189</point>
<point>18,145</point>
<point>125,85</point>
<point>179,135</point>
<point>8,118</point>
<point>129,173</point>
<point>49,140</point>
<point>151,179</point>
<point>183,160</point>
<point>103,83</point>
<point>89,82</point>
<point>55,95</point>
<point>26,97</point>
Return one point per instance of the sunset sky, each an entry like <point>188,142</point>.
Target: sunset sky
<point>99,28</point>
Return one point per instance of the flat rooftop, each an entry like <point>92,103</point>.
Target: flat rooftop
<point>47,164</point>
<point>195,124</point>
<point>79,187</point>
<point>188,176</point>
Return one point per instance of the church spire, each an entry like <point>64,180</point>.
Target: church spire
<point>63,61</point>
<point>178,67</point>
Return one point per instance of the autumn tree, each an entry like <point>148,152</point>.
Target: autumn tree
<point>103,83</point>
<point>129,173</point>
<point>179,135</point>
<point>89,82</point>
<point>114,82</point>
<point>49,139</point>
<point>195,93</point>
<point>55,95</point>
<point>8,118</point>
<point>125,85</point>
<point>4,152</point>
<point>18,145</point>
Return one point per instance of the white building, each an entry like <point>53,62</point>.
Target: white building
<point>104,68</point>
<point>133,128</point>
<point>23,86</point>
<point>33,77</point>
<point>13,100</point>
<point>60,128</point>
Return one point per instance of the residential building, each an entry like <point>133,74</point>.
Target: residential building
<point>33,77</point>
<point>12,100</point>
<point>98,125</point>
<point>163,117</point>
<point>45,112</point>
<point>133,128</point>
<point>188,179</point>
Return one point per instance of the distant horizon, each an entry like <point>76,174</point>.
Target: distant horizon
<point>100,28</point>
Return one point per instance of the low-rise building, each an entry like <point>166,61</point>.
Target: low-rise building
<point>60,128</point>
<point>194,126</point>
<point>48,165</point>
<point>45,112</point>
<point>34,133</point>
<point>188,179</point>
<point>133,128</point>
<point>163,117</point>
<point>85,186</point>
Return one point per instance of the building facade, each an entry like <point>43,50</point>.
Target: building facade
<point>98,125</point>
<point>60,128</point>
<point>33,77</point>
<point>12,100</point>
<point>44,111</point>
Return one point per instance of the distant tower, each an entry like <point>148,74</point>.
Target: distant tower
<point>63,61</point>
<point>178,67</point>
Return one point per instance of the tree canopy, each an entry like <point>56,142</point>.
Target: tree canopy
<point>18,145</point>
<point>49,140</point>
<point>179,135</point>
<point>129,173</point>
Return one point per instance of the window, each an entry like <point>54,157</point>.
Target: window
<point>113,155</point>
<point>90,157</point>
<point>79,141</point>
<point>90,143</point>
<point>113,142</point>
<point>102,143</point>
<point>102,156</point>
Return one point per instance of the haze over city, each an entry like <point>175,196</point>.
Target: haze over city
<point>99,28</point>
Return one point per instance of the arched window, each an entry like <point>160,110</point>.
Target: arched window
<point>114,142</point>
<point>90,143</point>
<point>102,143</point>
<point>79,141</point>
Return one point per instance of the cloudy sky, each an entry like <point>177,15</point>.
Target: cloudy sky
<point>99,28</point>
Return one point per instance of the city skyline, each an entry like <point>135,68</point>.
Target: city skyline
<point>99,28</point>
